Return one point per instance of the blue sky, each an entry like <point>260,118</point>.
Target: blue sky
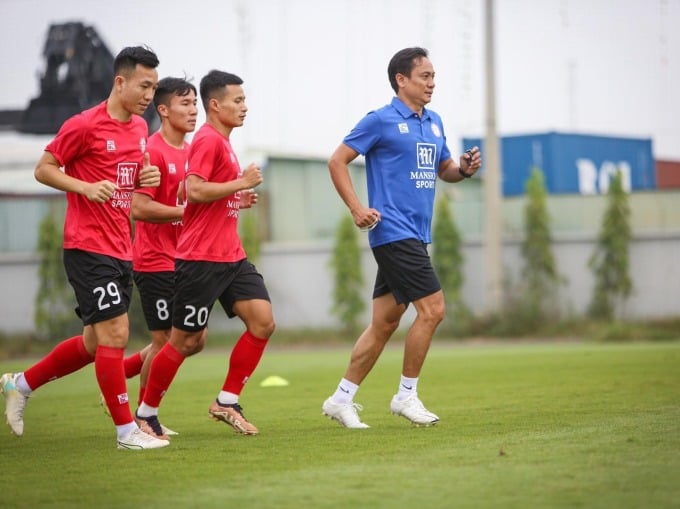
<point>313,68</point>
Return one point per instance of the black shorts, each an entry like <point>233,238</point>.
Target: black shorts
<point>199,284</point>
<point>156,291</point>
<point>103,284</point>
<point>405,271</point>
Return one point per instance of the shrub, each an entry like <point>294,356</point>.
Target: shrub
<point>348,304</point>
<point>447,259</point>
<point>55,302</point>
<point>609,263</point>
<point>540,278</point>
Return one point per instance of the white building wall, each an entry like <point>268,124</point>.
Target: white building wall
<point>300,282</point>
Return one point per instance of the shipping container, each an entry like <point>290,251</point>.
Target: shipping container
<point>573,163</point>
<point>668,174</point>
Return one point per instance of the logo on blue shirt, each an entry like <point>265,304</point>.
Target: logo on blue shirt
<point>427,155</point>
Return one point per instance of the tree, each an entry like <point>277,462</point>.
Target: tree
<point>609,263</point>
<point>348,303</point>
<point>447,259</point>
<point>540,279</point>
<point>55,303</point>
<point>249,235</point>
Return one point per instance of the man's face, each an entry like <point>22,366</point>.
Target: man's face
<point>417,89</point>
<point>137,88</point>
<point>182,112</point>
<point>231,108</point>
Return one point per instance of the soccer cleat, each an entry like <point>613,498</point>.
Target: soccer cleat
<point>168,431</point>
<point>102,402</point>
<point>15,402</point>
<point>232,415</point>
<point>151,426</point>
<point>413,409</point>
<point>347,414</point>
<point>138,440</point>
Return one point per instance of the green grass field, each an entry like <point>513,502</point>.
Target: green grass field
<point>522,426</point>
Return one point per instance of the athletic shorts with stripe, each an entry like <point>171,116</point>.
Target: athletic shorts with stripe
<point>102,284</point>
<point>156,292</point>
<point>199,284</point>
<point>405,270</point>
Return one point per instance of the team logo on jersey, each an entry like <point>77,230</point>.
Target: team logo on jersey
<point>436,131</point>
<point>142,144</point>
<point>403,127</point>
<point>126,175</point>
<point>110,146</point>
<point>171,168</point>
<point>426,154</point>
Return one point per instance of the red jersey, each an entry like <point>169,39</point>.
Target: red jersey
<point>92,146</point>
<point>209,231</point>
<point>153,248</point>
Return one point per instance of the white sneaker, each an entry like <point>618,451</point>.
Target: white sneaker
<point>15,402</point>
<point>138,440</point>
<point>413,409</point>
<point>102,402</point>
<point>345,413</point>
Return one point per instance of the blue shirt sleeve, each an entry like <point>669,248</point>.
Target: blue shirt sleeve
<point>365,134</point>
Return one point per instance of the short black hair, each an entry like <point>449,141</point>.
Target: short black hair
<point>213,83</point>
<point>167,87</point>
<point>129,57</point>
<point>403,62</point>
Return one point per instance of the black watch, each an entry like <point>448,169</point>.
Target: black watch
<point>463,174</point>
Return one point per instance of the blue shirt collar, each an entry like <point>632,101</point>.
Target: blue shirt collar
<point>404,110</point>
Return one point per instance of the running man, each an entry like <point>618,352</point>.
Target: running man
<point>210,266</point>
<point>405,150</point>
<point>158,214</point>
<point>103,155</point>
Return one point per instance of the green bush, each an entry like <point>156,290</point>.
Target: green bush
<point>249,235</point>
<point>610,261</point>
<point>447,259</point>
<point>540,278</point>
<point>55,303</point>
<point>348,304</point>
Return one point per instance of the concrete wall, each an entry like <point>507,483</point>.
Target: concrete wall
<point>301,283</point>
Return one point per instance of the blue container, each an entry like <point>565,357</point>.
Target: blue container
<point>573,163</point>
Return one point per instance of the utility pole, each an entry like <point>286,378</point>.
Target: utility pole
<point>492,178</point>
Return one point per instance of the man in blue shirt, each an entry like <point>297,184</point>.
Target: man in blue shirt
<point>405,151</point>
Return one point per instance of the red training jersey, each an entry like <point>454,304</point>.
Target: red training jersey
<point>209,231</point>
<point>92,146</point>
<point>153,248</point>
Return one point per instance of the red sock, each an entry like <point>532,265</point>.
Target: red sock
<point>65,358</point>
<point>244,359</point>
<point>133,365</point>
<point>108,367</point>
<point>164,367</point>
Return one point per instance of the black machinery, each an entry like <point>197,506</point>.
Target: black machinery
<point>78,74</point>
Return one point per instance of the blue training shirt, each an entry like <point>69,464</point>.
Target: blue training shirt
<point>402,152</point>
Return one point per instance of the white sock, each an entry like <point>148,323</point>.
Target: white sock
<point>145,410</point>
<point>227,398</point>
<point>22,385</point>
<point>345,392</point>
<point>125,429</point>
<point>407,387</point>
